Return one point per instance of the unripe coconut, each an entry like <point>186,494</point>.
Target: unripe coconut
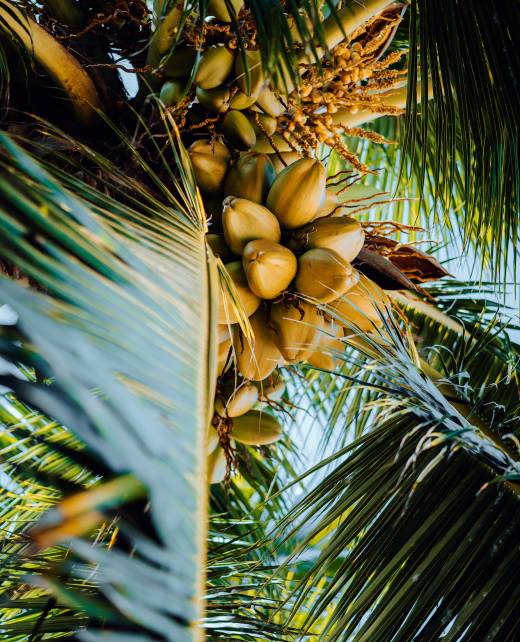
<point>330,203</point>
<point>265,145</point>
<point>361,307</point>
<point>238,130</point>
<point>254,66</point>
<point>269,267</point>
<point>214,67</point>
<point>246,300</point>
<point>179,63</point>
<point>214,99</point>
<point>245,221</point>
<point>297,193</point>
<point>171,92</point>
<point>256,360</point>
<point>217,465</point>
<point>323,275</point>
<point>239,402</point>
<point>288,157</point>
<point>343,235</point>
<point>271,390</point>
<point>219,9</point>
<point>251,178</point>
<point>210,164</point>
<point>330,343</point>
<point>256,428</point>
<point>242,101</point>
<point>265,125</point>
<point>269,103</point>
<point>297,328</point>
<point>223,347</point>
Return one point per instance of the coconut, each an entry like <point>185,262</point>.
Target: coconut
<point>296,328</point>
<point>345,236</point>
<point>256,428</point>
<point>361,307</point>
<point>210,164</point>
<point>269,267</point>
<point>245,299</point>
<point>244,221</point>
<point>297,193</point>
<point>214,67</point>
<point>323,275</point>
<point>251,178</point>
<point>256,360</point>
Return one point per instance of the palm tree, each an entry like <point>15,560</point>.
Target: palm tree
<point>405,526</point>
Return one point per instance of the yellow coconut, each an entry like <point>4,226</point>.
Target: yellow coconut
<point>210,164</point>
<point>329,344</point>
<point>288,158</point>
<point>263,124</point>
<point>297,193</point>
<point>329,205</point>
<point>255,74</point>
<point>269,267</point>
<point>244,221</point>
<point>345,236</point>
<point>258,359</point>
<point>361,307</point>
<point>238,403</point>
<point>214,67</point>
<point>296,327</point>
<point>238,130</point>
<point>246,300</point>
<point>256,428</point>
<point>251,178</point>
<point>323,275</point>
<point>269,103</point>
<point>216,99</point>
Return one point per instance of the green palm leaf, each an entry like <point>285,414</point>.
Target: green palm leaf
<point>121,329</point>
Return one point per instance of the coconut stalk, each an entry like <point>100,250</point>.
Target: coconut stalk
<point>65,70</point>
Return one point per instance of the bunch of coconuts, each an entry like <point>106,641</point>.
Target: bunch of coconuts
<point>287,246</point>
<point>224,82</point>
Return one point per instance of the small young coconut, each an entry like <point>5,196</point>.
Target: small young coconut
<point>217,465</point>
<point>238,130</point>
<point>171,92</point>
<point>216,99</point>
<point>361,307</point>
<point>269,267</point>
<point>246,300</point>
<point>343,235</point>
<point>288,158</point>
<point>239,402</point>
<point>297,328</point>
<point>297,193</point>
<point>258,359</point>
<point>330,343</point>
<point>214,67</point>
<point>210,164</point>
<point>251,178</point>
<point>262,123</point>
<point>269,103</point>
<point>244,221</point>
<point>256,428</point>
<point>323,275</point>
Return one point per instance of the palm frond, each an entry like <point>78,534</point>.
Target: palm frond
<point>120,327</point>
<point>407,512</point>
<point>466,139</point>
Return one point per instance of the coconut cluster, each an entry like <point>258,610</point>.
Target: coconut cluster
<point>288,246</point>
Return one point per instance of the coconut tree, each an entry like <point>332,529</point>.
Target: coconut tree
<point>209,217</point>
